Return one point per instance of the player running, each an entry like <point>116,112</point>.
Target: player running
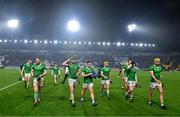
<point>132,81</point>
<point>55,73</point>
<point>106,79</point>
<point>87,74</point>
<point>72,77</point>
<point>66,72</point>
<point>38,72</point>
<point>26,72</point>
<point>155,72</point>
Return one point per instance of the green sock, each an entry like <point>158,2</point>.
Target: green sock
<point>107,93</point>
<point>35,96</point>
<point>39,95</point>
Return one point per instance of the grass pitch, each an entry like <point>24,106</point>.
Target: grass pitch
<point>18,101</point>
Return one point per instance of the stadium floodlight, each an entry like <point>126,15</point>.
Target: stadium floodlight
<point>145,44</point>
<point>118,43</point>
<point>103,43</point>
<point>153,45</point>
<point>84,43</point>
<point>79,43</point>
<point>140,45</point>
<point>75,43</point>
<point>13,23</point>
<point>25,41</point>
<point>5,41</point>
<point>99,43</point>
<point>65,42</point>
<point>131,27</point>
<point>0,41</point>
<point>30,41</point>
<point>123,44</point>
<point>15,41</point>
<point>149,45</point>
<point>132,44</point>
<point>35,41</point>
<point>108,43</point>
<point>136,44</point>
<point>89,43</point>
<point>55,41</point>
<point>73,25</point>
<point>45,41</point>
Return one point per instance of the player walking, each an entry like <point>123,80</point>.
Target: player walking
<point>26,72</point>
<point>38,72</point>
<point>55,73</point>
<point>106,79</point>
<point>132,80</point>
<point>124,75</point>
<point>87,74</point>
<point>155,72</point>
<point>72,77</point>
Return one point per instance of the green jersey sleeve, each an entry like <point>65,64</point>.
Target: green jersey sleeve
<point>151,68</point>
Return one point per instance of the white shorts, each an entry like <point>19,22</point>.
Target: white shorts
<point>103,82</point>
<point>132,83</point>
<point>55,76</point>
<point>36,82</point>
<point>125,79</point>
<point>27,75</point>
<point>72,82</point>
<point>154,85</point>
<point>86,85</point>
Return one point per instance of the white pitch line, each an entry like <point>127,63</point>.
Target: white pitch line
<point>10,85</point>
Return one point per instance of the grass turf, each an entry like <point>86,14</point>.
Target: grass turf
<point>18,101</point>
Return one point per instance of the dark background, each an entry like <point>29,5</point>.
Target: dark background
<point>100,20</point>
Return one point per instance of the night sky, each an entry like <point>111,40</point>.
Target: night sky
<point>100,20</point>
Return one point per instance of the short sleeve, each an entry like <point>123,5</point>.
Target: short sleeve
<point>102,69</point>
<point>125,67</point>
<point>151,68</point>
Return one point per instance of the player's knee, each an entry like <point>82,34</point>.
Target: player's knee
<point>161,92</point>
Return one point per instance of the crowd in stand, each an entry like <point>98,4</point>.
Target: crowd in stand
<point>16,58</point>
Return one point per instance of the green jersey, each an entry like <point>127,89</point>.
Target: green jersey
<point>55,70</point>
<point>87,70</point>
<point>131,74</point>
<point>73,69</point>
<point>125,67</point>
<point>38,69</point>
<point>157,69</point>
<point>106,72</point>
<point>27,68</point>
